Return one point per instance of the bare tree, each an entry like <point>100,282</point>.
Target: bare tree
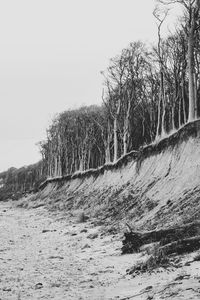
<point>160,17</point>
<point>192,16</point>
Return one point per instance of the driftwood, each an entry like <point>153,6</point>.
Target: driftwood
<point>134,240</point>
<point>182,246</point>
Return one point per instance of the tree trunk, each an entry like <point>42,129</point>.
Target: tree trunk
<point>55,165</point>
<point>163,115</point>
<point>183,99</point>
<point>115,129</point>
<point>126,128</point>
<point>125,143</point>
<point>191,115</point>
<point>107,153</point>
<point>159,112</point>
<point>134,240</point>
<point>115,140</point>
<point>88,158</point>
<point>179,113</point>
<point>195,96</point>
<point>173,116</point>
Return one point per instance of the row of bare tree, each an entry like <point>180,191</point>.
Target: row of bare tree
<point>147,93</point>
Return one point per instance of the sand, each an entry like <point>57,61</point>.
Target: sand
<point>48,255</point>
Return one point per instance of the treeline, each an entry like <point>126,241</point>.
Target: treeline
<point>17,182</point>
<point>147,93</point>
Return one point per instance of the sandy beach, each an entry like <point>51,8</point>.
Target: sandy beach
<point>48,255</point>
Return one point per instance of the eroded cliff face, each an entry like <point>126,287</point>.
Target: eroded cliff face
<point>160,186</point>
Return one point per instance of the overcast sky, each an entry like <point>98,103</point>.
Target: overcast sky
<point>51,55</point>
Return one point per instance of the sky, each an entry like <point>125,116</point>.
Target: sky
<point>51,56</point>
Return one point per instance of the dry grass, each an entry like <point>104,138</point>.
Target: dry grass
<point>157,259</point>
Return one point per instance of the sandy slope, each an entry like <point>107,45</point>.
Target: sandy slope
<point>158,188</point>
<point>46,256</point>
